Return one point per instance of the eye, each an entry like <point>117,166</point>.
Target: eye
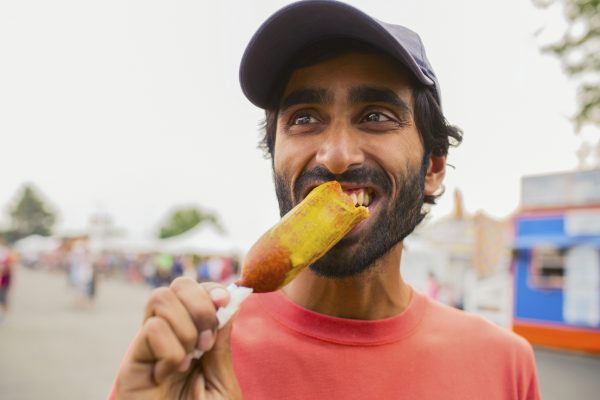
<point>381,120</point>
<point>303,119</point>
<point>376,117</point>
<point>302,122</point>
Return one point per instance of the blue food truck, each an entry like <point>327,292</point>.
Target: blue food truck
<point>556,261</point>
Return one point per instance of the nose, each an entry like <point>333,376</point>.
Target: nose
<point>340,149</point>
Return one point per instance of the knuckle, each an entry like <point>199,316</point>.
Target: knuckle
<point>160,295</point>
<point>197,302</point>
<point>189,339</point>
<point>158,298</point>
<point>156,326</point>
<point>205,314</point>
<point>182,283</point>
<point>208,286</point>
<point>175,356</point>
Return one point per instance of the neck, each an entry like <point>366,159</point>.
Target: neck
<point>377,293</point>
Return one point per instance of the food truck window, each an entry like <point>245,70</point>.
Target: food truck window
<point>548,268</point>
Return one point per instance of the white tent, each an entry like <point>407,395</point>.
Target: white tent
<point>35,244</point>
<point>127,244</point>
<point>204,239</point>
<point>419,258</point>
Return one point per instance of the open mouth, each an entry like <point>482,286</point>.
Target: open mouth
<point>364,196</point>
<point>361,196</point>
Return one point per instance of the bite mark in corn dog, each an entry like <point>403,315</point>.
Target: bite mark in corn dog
<point>302,236</point>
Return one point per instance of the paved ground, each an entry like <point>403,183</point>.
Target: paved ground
<point>51,350</point>
<point>566,375</point>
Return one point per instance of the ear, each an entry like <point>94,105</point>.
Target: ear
<point>436,170</point>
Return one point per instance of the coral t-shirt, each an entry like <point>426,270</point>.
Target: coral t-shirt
<point>430,351</point>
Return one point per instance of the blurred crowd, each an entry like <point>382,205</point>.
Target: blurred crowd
<point>85,266</point>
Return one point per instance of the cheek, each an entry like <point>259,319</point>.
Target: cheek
<point>399,157</point>
<point>285,163</point>
<point>397,150</point>
<point>280,159</point>
<point>291,156</point>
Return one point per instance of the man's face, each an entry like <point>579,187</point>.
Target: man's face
<point>351,119</point>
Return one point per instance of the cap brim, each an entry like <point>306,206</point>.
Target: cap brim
<point>299,24</point>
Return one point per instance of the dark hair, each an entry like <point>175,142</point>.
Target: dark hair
<point>437,134</point>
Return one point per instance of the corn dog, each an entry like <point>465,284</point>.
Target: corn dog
<point>302,236</point>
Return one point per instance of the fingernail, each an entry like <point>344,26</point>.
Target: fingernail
<point>185,364</point>
<point>218,294</point>
<point>206,340</point>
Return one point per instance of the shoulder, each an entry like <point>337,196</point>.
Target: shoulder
<point>479,333</point>
<point>494,353</point>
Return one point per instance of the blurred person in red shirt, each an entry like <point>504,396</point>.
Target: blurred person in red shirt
<point>7,261</point>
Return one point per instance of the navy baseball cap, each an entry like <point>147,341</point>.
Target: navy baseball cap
<point>302,23</point>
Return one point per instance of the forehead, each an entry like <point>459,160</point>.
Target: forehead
<point>350,70</point>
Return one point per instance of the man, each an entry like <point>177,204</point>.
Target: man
<point>353,99</point>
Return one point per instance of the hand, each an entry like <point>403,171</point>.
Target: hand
<point>178,320</point>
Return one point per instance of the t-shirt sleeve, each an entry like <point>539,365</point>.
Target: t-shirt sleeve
<point>530,387</point>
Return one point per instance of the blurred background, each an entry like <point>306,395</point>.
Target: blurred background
<point>128,156</point>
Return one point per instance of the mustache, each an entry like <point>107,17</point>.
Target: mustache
<point>367,176</point>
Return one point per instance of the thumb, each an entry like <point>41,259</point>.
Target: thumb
<point>218,360</point>
<point>223,339</point>
<point>217,365</point>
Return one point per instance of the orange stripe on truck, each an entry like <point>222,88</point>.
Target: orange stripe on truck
<point>560,337</point>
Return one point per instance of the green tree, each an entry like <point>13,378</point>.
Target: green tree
<point>579,52</point>
<point>183,219</point>
<point>30,216</point>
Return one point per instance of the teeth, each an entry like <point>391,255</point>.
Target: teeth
<point>361,198</point>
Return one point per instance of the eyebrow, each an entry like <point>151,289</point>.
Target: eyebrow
<point>306,96</point>
<point>370,94</point>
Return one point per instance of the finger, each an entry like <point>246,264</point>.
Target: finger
<point>163,344</point>
<point>201,302</point>
<point>136,368</point>
<point>165,304</point>
<point>218,293</point>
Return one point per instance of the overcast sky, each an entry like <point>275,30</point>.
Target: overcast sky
<point>133,107</point>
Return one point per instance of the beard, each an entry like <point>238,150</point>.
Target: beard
<point>395,220</point>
